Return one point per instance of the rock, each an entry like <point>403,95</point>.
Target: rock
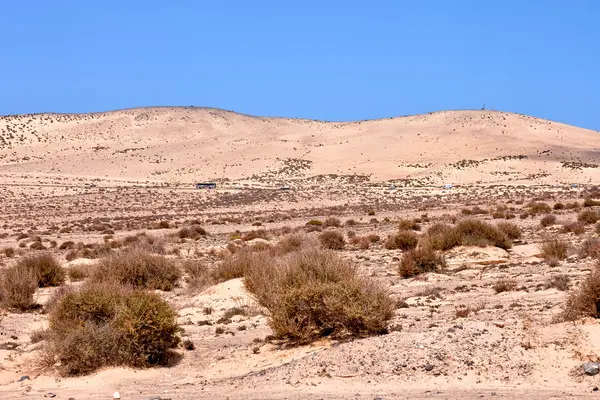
<point>116,395</point>
<point>595,389</point>
<point>591,368</point>
<point>24,378</point>
<point>499,324</point>
<point>50,395</point>
<point>428,367</point>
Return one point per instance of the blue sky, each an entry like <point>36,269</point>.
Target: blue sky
<point>332,60</point>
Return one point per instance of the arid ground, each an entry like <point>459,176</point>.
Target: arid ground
<point>488,322</point>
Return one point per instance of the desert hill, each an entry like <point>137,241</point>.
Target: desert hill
<point>186,144</point>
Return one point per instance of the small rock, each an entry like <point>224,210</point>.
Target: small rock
<point>50,395</point>
<point>499,324</point>
<point>23,378</point>
<point>591,368</point>
<point>428,367</point>
<point>116,395</point>
<point>595,389</point>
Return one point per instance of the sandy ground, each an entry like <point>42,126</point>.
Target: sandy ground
<point>72,179</point>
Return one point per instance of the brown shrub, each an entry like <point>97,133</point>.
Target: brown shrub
<point>504,285</point>
<point>590,248</point>
<point>509,229</point>
<point>588,217</point>
<point>548,220</point>
<point>559,206</point>
<point>68,245</point>
<point>80,272</point>
<point>553,248</point>
<point>576,228</point>
<point>572,206</point>
<point>45,267</point>
<point>351,222</point>
<point>9,252</point>
<point>256,234</point>
<point>332,221</point>
<point>332,240</point>
<point>373,238</point>
<point>314,293</point>
<point>236,265</point>
<point>37,246</point>
<point>17,287</point>
<point>590,202</point>
<point>191,232</point>
<point>476,232</point>
<point>539,208</point>
<point>403,240</point>
<point>560,282</point>
<point>198,276</point>
<point>409,225</point>
<point>106,325</point>
<point>420,260</point>
<point>585,301</point>
<point>138,268</point>
<point>290,243</point>
<point>315,222</point>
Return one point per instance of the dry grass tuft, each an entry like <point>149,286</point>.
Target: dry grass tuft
<point>236,265</point>
<point>197,276</point>
<point>590,248</point>
<point>409,225</point>
<point>333,221</point>
<point>585,301</point>
<point>548,220</point>
<point>576,228</point>
<point>560,282</point>
<point>314,293</point>
<point>46,269</point>
<point>194,232</point>
<point>509,229</point>
<point>80,272</point>
<point>17,287</point>
<point>138,268</point>
<point>107,325</point>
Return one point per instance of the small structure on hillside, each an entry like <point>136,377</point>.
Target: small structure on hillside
<point>206,185</point>
<point>448,186</point>
<point>573,185</point>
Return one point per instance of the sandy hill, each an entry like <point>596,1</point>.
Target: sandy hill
<point>179,144</point>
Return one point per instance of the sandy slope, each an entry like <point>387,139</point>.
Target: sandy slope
<point>191,144</point>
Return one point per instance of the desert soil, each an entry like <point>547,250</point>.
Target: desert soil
<point>126,171</point>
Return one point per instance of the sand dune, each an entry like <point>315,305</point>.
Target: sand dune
<point>183,145</point>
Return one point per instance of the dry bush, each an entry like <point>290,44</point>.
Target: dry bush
<point>68,245</point>
<point>315,222</point>
<point>333,221</point>
<point>9,252</point>
<point>585,301</point>
<point>104,325</point>
<point>420,260</point>
<point>476,232</point>
<point>351,222</point>
<point>90,251</point>
<point>256,234</point>
<point>45,267</point>
<point>290,243</point>
<point>553,248</point>
<point>194,232</point>
<point>197,275</point>
<point>536,208</point>
<point>314,293</point>
<point>409,225</point>
<point>504,285</point>
<point>548,220</point>
<point>236,265</point>
<point>597,229</point>
<point>80,272</point>
<point>511,230</point>
<point>403,240</point>
<point>17,287</point>
<point>560,282</point>
<point>590,247</point>
<point>332,240</point>
<point>576,228</point>
<point>559,206</point>
<point>588,217</point>
<point>590,202</point>
<point>572,206</point>
<point>37,246</point>
<point>373,238</point>
<point>138,268</point>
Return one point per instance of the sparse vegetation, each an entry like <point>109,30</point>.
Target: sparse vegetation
<point>504,285</point>
<point>332,240</point>
<point>553,248</point>
<point>588,217</point>
<point>585,301</point>
<point>403,240</point>
<point>420,260</point>
<point>548,220</point>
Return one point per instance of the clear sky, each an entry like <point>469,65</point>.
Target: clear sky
<point>332,60</point>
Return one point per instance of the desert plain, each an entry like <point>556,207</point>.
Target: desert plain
<point>490,313</point>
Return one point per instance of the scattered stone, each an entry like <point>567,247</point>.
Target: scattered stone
<point>499,324</point>
<point>595,389</point>
<point>24,378</point>
<point>428,367</point>
<point>50,394</point>
<point>591,368</point>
